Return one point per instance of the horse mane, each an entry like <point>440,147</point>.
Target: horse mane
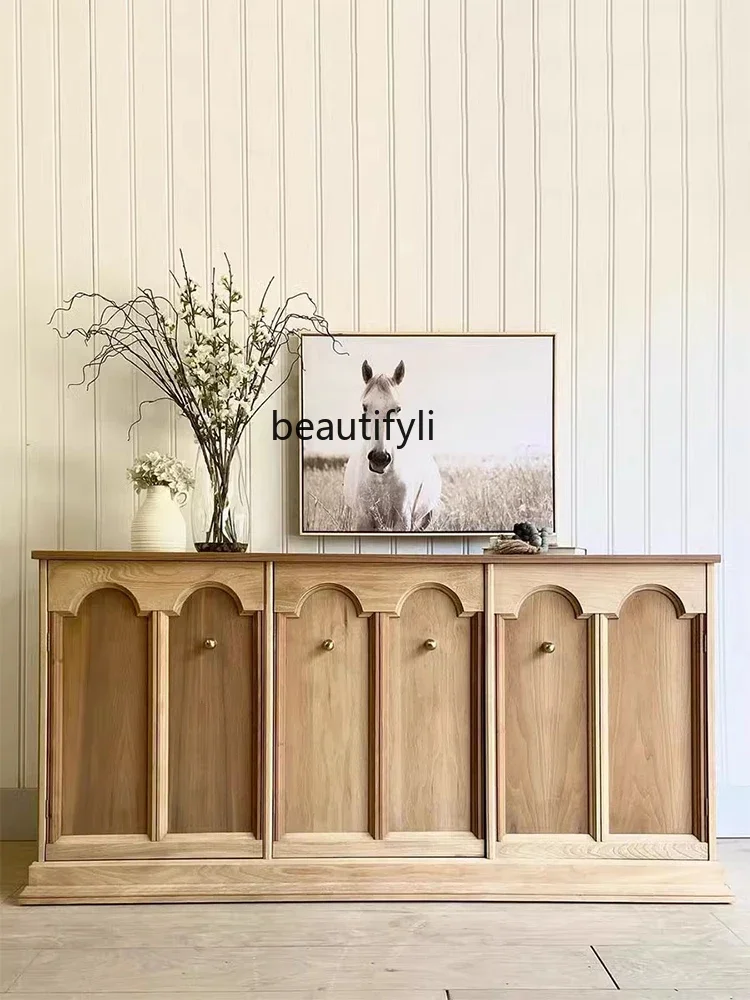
<point>379,382</point>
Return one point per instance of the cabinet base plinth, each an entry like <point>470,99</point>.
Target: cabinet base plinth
<point>385,879</point>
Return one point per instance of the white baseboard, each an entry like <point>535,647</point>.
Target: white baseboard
<point>733,812</point>
<point>18,813</point>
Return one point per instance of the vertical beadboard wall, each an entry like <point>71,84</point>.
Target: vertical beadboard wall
<point>571,165</point>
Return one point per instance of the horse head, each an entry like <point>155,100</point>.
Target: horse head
<point>379,399</point>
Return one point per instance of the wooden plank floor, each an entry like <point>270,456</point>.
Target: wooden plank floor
<point>374,951</point>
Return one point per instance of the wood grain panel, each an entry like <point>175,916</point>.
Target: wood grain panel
<point>105,731</point>
<point>433,762</point>
<point>42,723</point>
<point>323,749</point>
<point>374,558</point>
<point>650,718</point>
<point>395,845</point>
<point>159,793</point>
<point>372,879</point>
<point>268,694</point>
<point>539,847</point>
<point>173,845</point>
<point>214,723</point>
<point>708,683</point>
<point>492,668</point>
<point>55,754</point>
<point>600,587</point>
<point>156,585</point>
<point>546,719</point>
<point>375,585</point>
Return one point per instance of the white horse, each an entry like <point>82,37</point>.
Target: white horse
<point>390,485</point>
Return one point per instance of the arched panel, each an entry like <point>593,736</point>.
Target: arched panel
<point>433,760</point>
<point>379,585</point>
<point>324,697</point>
<point>155,585</point>
<point>650,717</point>
<point>94,586</point>
<point>214,759</point>
<point>546,718</point>
<point>201,585</point>
<point>427,585</point>
<point>104,726</point>
<point>671,596</point>
<point>346,591</point>
<point>600,585</point>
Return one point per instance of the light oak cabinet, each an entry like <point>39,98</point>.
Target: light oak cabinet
<point>313,727</point>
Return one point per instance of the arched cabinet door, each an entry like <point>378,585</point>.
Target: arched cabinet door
<point>433,772</point>
<point>324,752</point>
<point>214,720</point>
<point>378,728</point>
<point>99,725</point>
<point>655,719</point>
<point>155,709</point>
<point>545,779</point>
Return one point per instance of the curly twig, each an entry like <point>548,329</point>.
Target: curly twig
<point>145,402</point>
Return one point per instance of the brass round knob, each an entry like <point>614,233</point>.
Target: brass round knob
<point>430,644</point>
<point>547,647</point>
<point>328,644</point>
<point>210,643</point>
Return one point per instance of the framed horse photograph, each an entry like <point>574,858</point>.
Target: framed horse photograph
<point>441,434</point>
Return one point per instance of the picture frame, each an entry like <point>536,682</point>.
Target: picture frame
<point>491,400</point>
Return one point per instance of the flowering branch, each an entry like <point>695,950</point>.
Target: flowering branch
<point>211,358</point>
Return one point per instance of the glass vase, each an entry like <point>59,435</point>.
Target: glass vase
<point>220,514</point>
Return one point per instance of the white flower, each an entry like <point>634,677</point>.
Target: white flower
<point>155,469</point>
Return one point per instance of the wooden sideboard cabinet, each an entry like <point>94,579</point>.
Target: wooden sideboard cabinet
<point>260,727</point>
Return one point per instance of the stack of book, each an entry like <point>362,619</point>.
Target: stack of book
<point>564,550</point>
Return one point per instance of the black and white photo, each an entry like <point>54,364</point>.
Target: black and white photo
<point>435,433</point>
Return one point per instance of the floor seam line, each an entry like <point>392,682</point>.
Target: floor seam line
<point>731,930</point>
<point>14,981</point>
<point>601,962</point>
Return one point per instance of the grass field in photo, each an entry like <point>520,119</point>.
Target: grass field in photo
<point>475,498</point>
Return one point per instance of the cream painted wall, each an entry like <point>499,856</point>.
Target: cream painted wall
<point>581,166</point>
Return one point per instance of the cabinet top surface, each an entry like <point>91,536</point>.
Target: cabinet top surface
<point>303,557</point>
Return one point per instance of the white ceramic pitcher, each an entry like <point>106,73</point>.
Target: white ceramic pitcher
<point>158,525</point>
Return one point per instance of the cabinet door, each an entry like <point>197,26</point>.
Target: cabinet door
<point>324,740</point>
<point>544,773</point>
<point>378,736</point>
<point>433,757</point>
<point>154,735</point>
<point>655,767</point>
<point>99,727</point>
<point>214,721</point>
